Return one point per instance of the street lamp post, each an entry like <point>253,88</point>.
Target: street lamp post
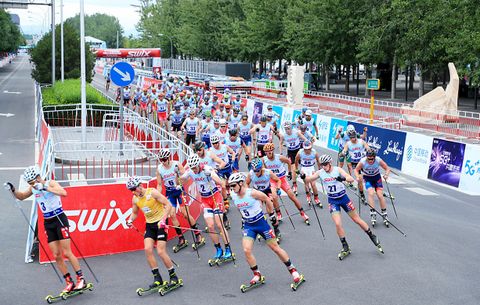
<point>171,48</point>
<point>53,42</point>
<point>62,67</point>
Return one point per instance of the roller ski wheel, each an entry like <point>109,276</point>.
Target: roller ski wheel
<point>279,239</point>
<point>151,288</point>
<point>198,244</point>
<point>374,222</point>
<point>180,246</point>
<point>386,195</point>
<point>309,200</point>
<point>224,260</point>
<point>212,262</point>
<point>297,284</point>
<point>386,223</point>
<point>380,249</point>
<point>170,287</point>
<point>246,287</point>
<point>65,295</point>
<point>344,253</point>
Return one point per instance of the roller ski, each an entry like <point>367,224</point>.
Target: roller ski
<point>298,279</point>
<point>182,243</point>
<point>305,217</point>
<point>344,253</point>
<point>309,199</point>
<point>213,261</point>
<point>373,218</point>
<point>376,242</point>
<point>154,287</point>
<point>227,257</point>
<point>386,195</point>
<point>256,281</point>
<point>295,189</point>
<point>278,235</point>
<point>170,286</point>
<point>386,221</point>
<point>68,294</point>
<point>363,199</point>
<point>200,242</point>
<point>317,202</point>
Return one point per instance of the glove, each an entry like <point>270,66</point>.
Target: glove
<point>317,138</point>
<point>341,154</point>
<point>257,130</point>
<point>178,187</point>
<point>289,176</point>
<point>297,171</point>
<point>247,158</point>
<point>9,186</point>
<point>129,223</point>
<point>341,179</point>
<point>385,177</point>
<point>39,186</point>
<point>162,224</point>
<point>303,176</point>
<point>208,172</point>
<point>273,218</point>
<point>279,192</point>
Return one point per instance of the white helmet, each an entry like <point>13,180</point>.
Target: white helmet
<point>350,127</point>
<point>287,124</point>
<point>216,120</point>
<point>133,182</point>
<point>31,173</point>
<point>236,178</point>
<point>227,90</point>
<point>214,139</point>
<point>325,159</point>
<point>164,154</point>
<point>308,112</point>
<point>223,122</point>
<point>193,161</point>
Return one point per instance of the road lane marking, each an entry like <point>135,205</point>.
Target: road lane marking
<point>421,191</point>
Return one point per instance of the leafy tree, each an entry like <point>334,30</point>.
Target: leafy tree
<point>10,33</point>
<point>41,56</point>
<point>100,26</point>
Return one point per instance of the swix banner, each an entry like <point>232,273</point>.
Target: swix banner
<point>97,217</point>
<point>127,53</point>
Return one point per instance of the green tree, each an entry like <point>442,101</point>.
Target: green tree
<point>10,33</point>
<point>41,56</point>
<point>100,26</point>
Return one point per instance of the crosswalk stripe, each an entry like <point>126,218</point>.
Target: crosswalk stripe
<point>421,191</point>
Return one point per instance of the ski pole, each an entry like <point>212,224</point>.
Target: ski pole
<point>391,199</point>
<point>188,214</point>
<point>79,252</point>
<point>17,204</point>
<point>194,230</point>
<point>405,235</point>
<point>316,215</point>
<point>288,214</point>
<point>221,220</point>
<point>136,229</point>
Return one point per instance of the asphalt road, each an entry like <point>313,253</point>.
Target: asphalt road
<point>434,264</point>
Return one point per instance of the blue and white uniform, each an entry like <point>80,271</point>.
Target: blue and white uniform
<point>234,121</point>
<point>310,125</point>
<point>223,154</point>
<point>371,173</point>
<point>236,146</point>
<point>308,161</point>
<point>275,165</point>
<point>261,183</point>
<point>307,135</point>
<point>49,203</point>
<point>207,128</point>
<point>244,131</point>
<point>263,134</point>
<point>336,193</point>
<point>356,151</point>
<point>169,177</point>
<point>191,126</point>
<point>237,103</point>
<point>253,217</point>
<point>177,120</point>
<point>206,185</point>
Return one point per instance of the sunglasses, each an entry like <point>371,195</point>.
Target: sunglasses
<point>232,185</point>
<point>370,158</point>
<point>325,164</point>
<point>132,189</point>
<point>164,160</point>
<point>199,149</point>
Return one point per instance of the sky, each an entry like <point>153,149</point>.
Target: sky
<point>36,19</point>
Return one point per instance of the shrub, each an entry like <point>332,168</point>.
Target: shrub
<point>68,92</point>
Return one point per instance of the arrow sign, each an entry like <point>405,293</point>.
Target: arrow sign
<point>122,74</point>
<point>10,92</point>
<point>6,114</point>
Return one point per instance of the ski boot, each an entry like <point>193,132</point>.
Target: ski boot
<point>295,189</point>
<point>226,224</point>
<point>256,281</point>
<point>279,216</point>
<point>278,235</point>
<point>344,253</point>
<point>376,242</point>
<point>174,283</point>
<point>363,199</point>
<point>298,279</point>
<point>228,256</point>
<point>309,199</point>
<point>386,221</point>
<point>317,202</point>
<point>213,261</point>
<point>199,242</point>
<point>70,285</point>
<point>373,218</point>
<point>80,283</point>
<point>182,243</point>
<point>65,295</point>
<point>226,203</point>
<point>305,217</point>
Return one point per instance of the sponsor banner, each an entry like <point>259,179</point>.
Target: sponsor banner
<point>446,162</point>
<point>296,114</point>
<point>257,112</point>
<point>416,158</point>
<point>278,110</point>
<point>323,125</point>
<point>249,108</point>
<point>148,82</point>
<point>335,126</point>
<point>470,177</point>
<point>99,213</point>
<point>127,53</point>
<point>388,143</point>
<point>287,115</point>
<point>43,140</point>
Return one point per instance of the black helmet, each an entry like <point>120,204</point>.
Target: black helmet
<point>263,118</point>
<point>199,145</point>
<point>352,134</point>
<point>371,152</point>
<point>177,108</point>
<point>233,132</point>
